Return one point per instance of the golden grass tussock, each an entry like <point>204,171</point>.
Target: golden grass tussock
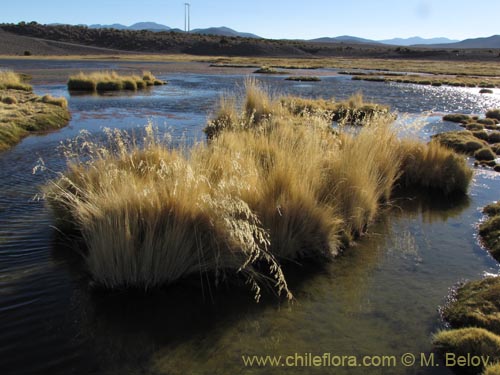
<point>10,80</point>
<point>267,187</point>
<point>434,167</point>
<point>111,81</point>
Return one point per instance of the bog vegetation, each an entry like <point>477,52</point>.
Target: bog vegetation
<point>22,112</point>
<point>273,183</point>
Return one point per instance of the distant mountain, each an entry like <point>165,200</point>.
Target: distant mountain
<point>489,42</point>
<point>344,38</point>
<point>417,40</point>
<point>151,26</point>
<point>224,31</point>
<point>117,26</point>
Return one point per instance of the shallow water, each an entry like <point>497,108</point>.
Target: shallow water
<point>379,298</point>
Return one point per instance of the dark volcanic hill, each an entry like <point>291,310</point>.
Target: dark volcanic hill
<point>344,39</point>
<point>17,39</point>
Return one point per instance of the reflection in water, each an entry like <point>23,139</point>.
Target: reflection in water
<point>345,307</point>
<point>380,296</point>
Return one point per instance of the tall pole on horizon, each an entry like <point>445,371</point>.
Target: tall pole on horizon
<point>187,17</point>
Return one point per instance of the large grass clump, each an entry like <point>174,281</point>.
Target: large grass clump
<point>269,186</point>
<point>111,81</point>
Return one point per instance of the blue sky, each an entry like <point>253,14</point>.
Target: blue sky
<point>372,19</point>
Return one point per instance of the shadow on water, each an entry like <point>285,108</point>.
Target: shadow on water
<point>181,329</point>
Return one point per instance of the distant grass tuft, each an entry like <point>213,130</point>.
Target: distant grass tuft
<point>303,79</point>
<point>460,118</point>
<point>494,114</point>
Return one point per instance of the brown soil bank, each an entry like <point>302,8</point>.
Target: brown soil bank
<point>39,39</point>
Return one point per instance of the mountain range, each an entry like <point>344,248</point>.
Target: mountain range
<point>488,42</point>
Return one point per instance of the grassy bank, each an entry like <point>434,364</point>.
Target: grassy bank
<point>111,81</point>
<point>444,67</point>
<point>473,312</point>
<point>271,185</point>
<point>22,112</point>
<point>489,230</point>
<point>432,80</point>
<point>481,138</point>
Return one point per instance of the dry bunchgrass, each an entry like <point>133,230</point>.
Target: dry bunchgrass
<point>434,167</point>
<point>10,80</point>
<point>111,81</point>
<point>270,185</point>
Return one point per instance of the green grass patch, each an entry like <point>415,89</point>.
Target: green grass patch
<point>469,342</point>
<point>27,113</point>
<point>494,137</point>
<point>461,141</point>
<point>457,117</point>
<point>472,126</point>
<point>489,230</point>
<point>484,154</point>
<point>486,91</point>
<point>476,304</point>
<point>494,114</point>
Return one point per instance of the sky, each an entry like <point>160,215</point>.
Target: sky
<point>279,19</point>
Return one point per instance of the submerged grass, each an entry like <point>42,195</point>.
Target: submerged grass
<point>111,81</point>
<point>270,185</point>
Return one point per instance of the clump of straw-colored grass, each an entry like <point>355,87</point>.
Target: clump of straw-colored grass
<point>111,81</point>
<point>10,80</point>
<point>271,185</point>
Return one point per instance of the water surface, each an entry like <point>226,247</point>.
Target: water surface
<point>379,298</point>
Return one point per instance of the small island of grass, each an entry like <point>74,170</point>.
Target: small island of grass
<point>480,139</point>
<point>303,79</point>
<point>22,112</point>
<point>111,81</point>
<point>473,310</point>
<point>268,70</point>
